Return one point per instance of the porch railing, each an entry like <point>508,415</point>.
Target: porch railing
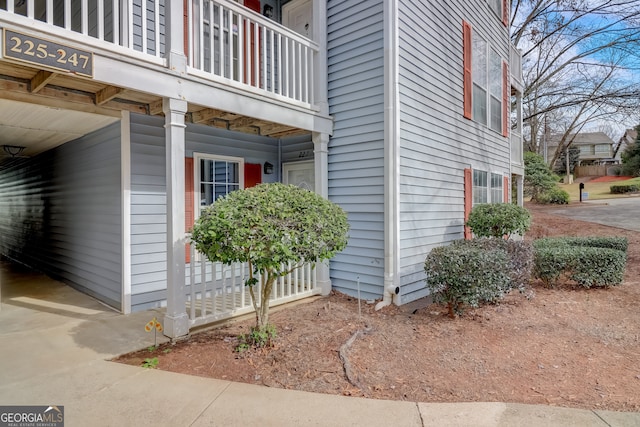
<point>133,24</point>
<point>515,65</point>
<point>230,42</point>
<point>224,41</point>
<point>217,291</point>
<point>516,148</point>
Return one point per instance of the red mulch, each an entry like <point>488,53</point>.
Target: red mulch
<point>611,178</point>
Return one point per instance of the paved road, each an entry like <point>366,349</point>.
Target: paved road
<point>622,213</point>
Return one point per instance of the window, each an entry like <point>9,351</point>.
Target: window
<point>496,188</point>
<point>603,149</point>
<point>216,176</point>
<point>496,6</point>
<point>479,73</point>
<point>487,188</point>
<point>484,83</point>
<point>480,187</point>
<point>495,90</point>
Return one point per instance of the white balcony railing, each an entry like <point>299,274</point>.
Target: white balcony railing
<point>217,291</point>
<point>516,149</point>
<point>133,24</point>
<point>227,41</point>
<point>515,66</point>
<point>224,41</point>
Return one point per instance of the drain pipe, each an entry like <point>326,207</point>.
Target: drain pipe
<point>391,158</point>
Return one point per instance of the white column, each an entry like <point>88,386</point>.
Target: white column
<point>320,86</point>
<point>174,16</point>
<point>176,321</point>
<point>520,190</point>
<point>321,163</point>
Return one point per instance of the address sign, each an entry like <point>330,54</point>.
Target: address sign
<point>34,50</point>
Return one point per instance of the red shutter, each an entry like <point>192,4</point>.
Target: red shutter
<point>505,13</point>
<point>505,98</point>
<point>467,83</point>
<point>468,200</point>
<point>506,189</point>
<point>188,199</point>
<point>252,174</point>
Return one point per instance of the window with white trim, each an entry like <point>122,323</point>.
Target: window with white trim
<point>480,187</point>
<point>486,71</point>
<point>215,177</point>
<point>487,187</point>
<point>496,188</point>
<point>496,6</point>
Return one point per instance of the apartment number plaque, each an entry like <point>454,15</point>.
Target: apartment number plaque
<point>36,51</point>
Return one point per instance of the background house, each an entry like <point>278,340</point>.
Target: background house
<point>628,138</point>
<point>133,115</point>
<point>594,148</point>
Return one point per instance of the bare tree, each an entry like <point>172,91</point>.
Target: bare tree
<point>580,65</point>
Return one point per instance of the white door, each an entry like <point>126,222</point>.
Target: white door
<point>300,174</point>
<point>296,15</point>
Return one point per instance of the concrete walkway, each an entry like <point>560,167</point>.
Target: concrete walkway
<point>55,342</point>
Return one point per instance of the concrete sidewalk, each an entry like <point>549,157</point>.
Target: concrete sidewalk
<point>55,343</point>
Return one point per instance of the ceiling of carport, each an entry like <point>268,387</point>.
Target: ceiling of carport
<point>39,128</point>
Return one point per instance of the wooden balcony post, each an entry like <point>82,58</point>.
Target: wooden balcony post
<point>176,321</point>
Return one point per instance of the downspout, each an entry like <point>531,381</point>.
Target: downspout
<point>391,157</point>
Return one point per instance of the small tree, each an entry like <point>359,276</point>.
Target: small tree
<point>498,220</point>
<point>538,178</point>
<point>631,157</point>
<point>269,226</point>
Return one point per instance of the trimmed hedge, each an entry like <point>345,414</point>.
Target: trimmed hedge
<point>589,261</point>
<point>556,196</point>
<point>498,220</point>
<point>621,189</point>
<point>619,243</point>
<point>478,271</point>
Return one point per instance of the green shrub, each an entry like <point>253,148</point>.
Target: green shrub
<point>618,243</point>
<point>555,196</point>
<point>466,274</point>
<point>589,261</point>
<point>519,253</point>
<point>498,220</point>
<point>621,189</point>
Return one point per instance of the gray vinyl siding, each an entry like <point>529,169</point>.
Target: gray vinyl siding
<point>148,194</point>
<point>60,214</point>
<point>356,149</point>
<point>437,143</point>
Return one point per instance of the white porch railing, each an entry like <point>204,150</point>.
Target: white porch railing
<point>224,41</point>
<point>217,291</point>
<point>133,24</point>
<point>515,66</point>
<point>227,41</point>
<point>516,148</point>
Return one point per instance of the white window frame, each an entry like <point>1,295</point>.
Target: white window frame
<point>197,157</point>
<point>487,191</point>
<point>489,81</point>
<point>492,6</point>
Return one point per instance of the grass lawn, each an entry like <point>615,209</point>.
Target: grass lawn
<point>596,190</point>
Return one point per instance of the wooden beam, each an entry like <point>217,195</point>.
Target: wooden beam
<point>40,80</point>
<point>155,108</point>
<point>272,128</point>
<point>206,115</point>
<point>241,122</point>
<point>107,94</point>
<point>18,91</point>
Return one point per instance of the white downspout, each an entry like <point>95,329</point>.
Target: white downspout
<point>391,157</point>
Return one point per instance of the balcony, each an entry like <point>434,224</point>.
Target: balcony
<point>515,67</point>
<point>227,47</point>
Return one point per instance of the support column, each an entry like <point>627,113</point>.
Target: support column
<point>176,321</point>
<point>520,190</point>
<point>321,163</point>
<point>174,16</point>
<point>320,85</point>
